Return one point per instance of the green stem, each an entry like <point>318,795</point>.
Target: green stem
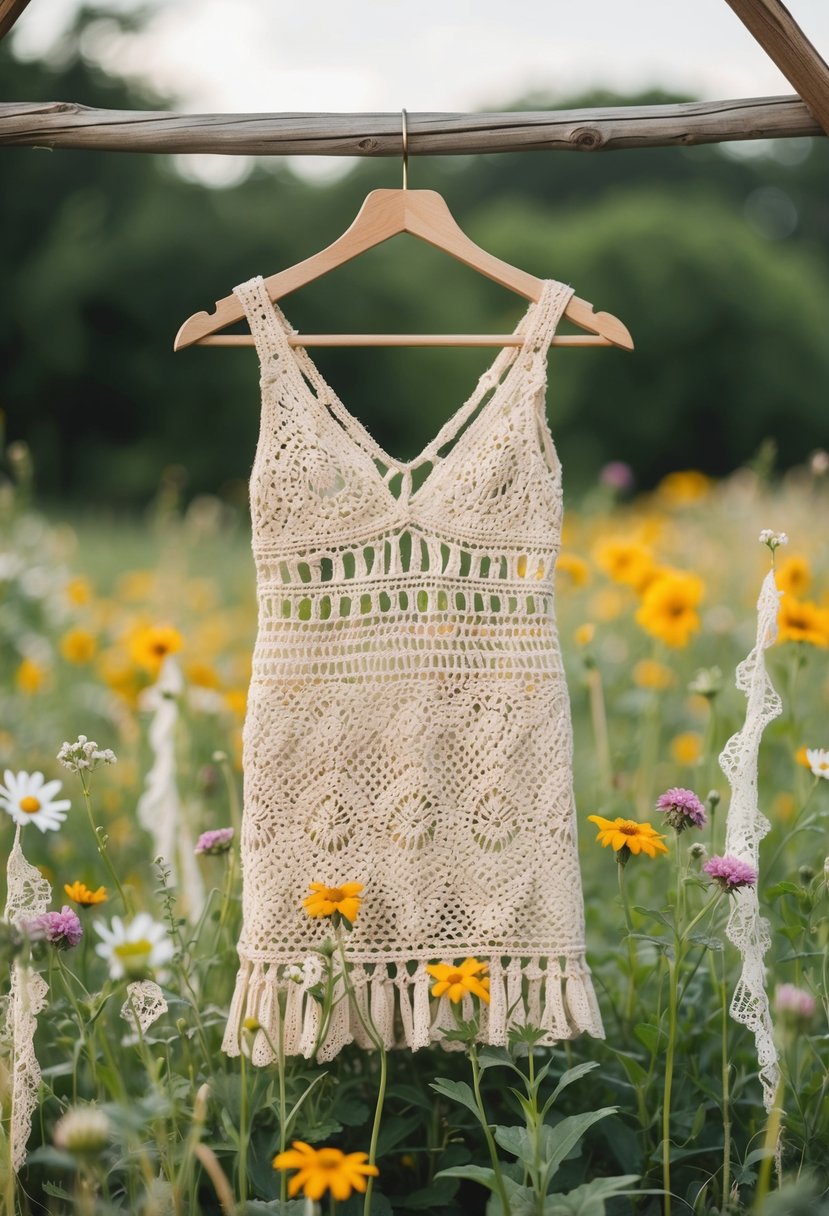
<point>631,946</point>
<point>374,1035</point>
<point>243,1129</point>
<point>490,1143</point>
<point>673,968</point>
<point>719,984</point>
<point>102,852</point>
<point>65,974</point>
<point>770,1140</point>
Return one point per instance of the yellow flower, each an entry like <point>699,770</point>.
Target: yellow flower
<point>668,608</point>
<point>576,568</point>
<point>649,674</point>
<point>686,748</point>
<point>801,757</point>
<point>686,486</point>
<point>78,591</point>
<point>802,621</point>
<point>78,646</point>
<point>784,805</point>
<point>201,674</point>
<point>626,561</point>
<point>80,893</point>
<point>30,677</point>
<point>236,700</point>
<point>794,575</point>
<point>624,833</point>
<point>584,634</point>
<point>324,1169</point>
<point>118,674</point>
<point>150,645</point>
<point>456,982</point>
<point>326,901</point>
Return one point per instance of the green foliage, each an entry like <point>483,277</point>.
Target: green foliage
<point>112,252</point>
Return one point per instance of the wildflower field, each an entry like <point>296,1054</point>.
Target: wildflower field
<point>126,654</point>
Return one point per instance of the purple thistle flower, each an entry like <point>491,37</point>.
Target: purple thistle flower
<point>63,929</point>
<point>216,841</point>
<point>617,476</point>
<point>731,873</point>
<point>682,809</point>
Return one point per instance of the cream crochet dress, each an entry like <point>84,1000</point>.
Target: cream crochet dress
<point>408,724</point>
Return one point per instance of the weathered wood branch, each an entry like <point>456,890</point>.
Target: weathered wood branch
<point>10,10</point>
<point>67,125</point>
<point>773,26</point>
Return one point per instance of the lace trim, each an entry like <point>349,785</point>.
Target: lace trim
<point>537,991</point>
<point>28,896</point>
<point>745,828</point>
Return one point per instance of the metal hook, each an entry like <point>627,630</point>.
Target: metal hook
<point>405,150</point>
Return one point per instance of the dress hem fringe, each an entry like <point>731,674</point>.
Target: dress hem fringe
<point>558,1000</point>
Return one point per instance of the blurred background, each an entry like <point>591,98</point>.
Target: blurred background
<point>715,257</point>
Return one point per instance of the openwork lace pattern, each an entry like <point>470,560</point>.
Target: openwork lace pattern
<point>28,895</point>
<point>408,722</point>
<point>745,828</point>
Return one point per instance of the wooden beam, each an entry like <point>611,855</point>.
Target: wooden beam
<point>67,125</point>
<point>784,42</point>
<point>10,10</point>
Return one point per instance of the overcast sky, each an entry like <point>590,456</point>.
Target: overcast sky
<point>281,55</point>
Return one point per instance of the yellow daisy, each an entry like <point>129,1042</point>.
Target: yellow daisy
<point>326,901</point>
<point>802,621</point>
<point>668,608</point>
<point>80,893</point>
<point>324,1169</point>
<point>149,646</point>
<point>456,982</point>
<point>625,833</point>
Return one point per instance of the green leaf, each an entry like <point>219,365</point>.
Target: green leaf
<point>558,1141</point>
<point>705,939</point>
<point>651,1037</point>
<point>394,1130</point>
<point>589,1200</point>
<point>656,915</point>
<point>515,1140</point>
<point>571,1075</point>
<point>635,1072</point>
<point>441,1192</point>
<point>475,1173</point>
<point>496,1057</point>
<point>258,1207</point>
<point>784,888</point>
<point>52,1188</point>
<point>457,1091</point>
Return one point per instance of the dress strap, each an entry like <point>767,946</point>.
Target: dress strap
<point>269,335</point>
<point>545,318</point>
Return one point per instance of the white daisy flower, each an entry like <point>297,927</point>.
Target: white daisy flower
<point>30,799</point>
<point>133,950</point>
<point>818,758</point>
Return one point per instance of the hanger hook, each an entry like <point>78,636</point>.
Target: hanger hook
<point>405,133</point>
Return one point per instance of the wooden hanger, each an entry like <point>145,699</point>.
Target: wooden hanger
<point>384,214</point>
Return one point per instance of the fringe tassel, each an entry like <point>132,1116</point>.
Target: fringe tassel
<point>523,991</point>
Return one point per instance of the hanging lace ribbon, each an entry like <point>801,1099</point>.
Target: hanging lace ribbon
<point>145,1004</point>
<point>745,828</point>
<point>28,894</point>
<point>159,808</point>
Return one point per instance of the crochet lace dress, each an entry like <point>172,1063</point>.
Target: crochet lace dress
<point>408,724</point>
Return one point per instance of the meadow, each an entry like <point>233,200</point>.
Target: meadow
<point>136,635</point>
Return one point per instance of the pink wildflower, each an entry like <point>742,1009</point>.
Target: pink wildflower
<point>63,929</point>
<point>216,841</point>
<point>789,999</point>
<point>681,808</point>
<point>731,873</point>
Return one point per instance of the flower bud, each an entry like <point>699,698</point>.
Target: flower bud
<point>83,1130</point>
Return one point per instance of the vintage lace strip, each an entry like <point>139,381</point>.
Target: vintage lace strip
<point>147,1004</point>
<point>745,828</point>
<point>159,809</point>
<point>28,896</point>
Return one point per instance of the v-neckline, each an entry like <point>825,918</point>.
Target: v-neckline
<point>365,442</point>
